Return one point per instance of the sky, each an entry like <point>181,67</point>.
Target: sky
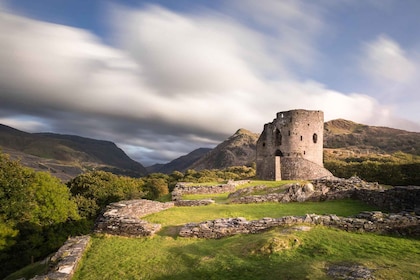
<point>162,78</point>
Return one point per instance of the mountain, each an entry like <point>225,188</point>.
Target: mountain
<point>238,149</point>
<point>359,137</point>
<point>66,156</point>
<point>340,134</point>
<point>180,164</point>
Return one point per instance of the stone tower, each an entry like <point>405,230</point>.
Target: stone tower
<point>291,147</point>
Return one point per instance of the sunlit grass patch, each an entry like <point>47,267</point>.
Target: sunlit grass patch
<point>181,215</point>
<point>275,254</point>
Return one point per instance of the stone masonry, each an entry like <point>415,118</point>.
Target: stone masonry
<point>402,223</point>
<point>186,188</point>
<point>64,262</point>
<point>316,190</point>
<point>123,218</point>
<point>291,147</point>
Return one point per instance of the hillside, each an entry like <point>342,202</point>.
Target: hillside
<point>363,138</point>
<point>66,156</point>
<point>237,150</point>
<point>180,164</point>
<point>342,138</point>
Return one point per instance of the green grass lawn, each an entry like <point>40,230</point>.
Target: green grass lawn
<point>275,254</point>
<point>182,215</point>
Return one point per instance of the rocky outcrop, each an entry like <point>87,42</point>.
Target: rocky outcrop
<point>64,262</point>
<point>123,218</point>
<point>402,223</point>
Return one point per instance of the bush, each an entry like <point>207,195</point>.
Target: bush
<point>94,190</point>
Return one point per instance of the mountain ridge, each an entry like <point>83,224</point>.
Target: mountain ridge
<point>238,149</point>
<point>67,155</point>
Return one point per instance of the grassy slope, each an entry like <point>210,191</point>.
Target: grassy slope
<point>275,254</point>
<point>270,255</point>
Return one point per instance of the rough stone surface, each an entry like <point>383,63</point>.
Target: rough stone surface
<point>291,147</point>
<point>317,190</point>
<point>190,203</point>
<point>350,272</point>
<point>123,218</point>
<point>401,223</point>
<point>182,188</point>
<point>395,199</point>
<point>64,262</point>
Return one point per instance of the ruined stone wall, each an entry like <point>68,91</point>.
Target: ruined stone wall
<point>65,261</point>
<point>186,188</point>
<point>396,199</point>
<point>402,223</point>
<point>123,218</point>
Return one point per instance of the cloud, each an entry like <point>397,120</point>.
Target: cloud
<point>173,82</point>
<point>385,61</point>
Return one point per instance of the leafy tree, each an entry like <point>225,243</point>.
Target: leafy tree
<point>34,207</point>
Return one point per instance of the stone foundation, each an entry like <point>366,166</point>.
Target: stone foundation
<point>395,199</point>
<point>317,190</point>
<point>123,218</point>
<point>186,188</point>
<point>190,203</point>
<point>402,223</point>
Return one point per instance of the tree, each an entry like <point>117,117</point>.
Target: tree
<point>34,207</point>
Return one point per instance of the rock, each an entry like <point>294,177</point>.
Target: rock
<point>350,272</point>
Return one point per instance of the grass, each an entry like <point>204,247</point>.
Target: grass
<point>181,215</point>
<point>279,253</point>
<point>274,254</point>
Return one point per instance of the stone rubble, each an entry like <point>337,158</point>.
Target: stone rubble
<point>350,272</point>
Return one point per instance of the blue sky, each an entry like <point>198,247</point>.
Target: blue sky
<point>162,78</point>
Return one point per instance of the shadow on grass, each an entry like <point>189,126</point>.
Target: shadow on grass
<point>169,231</point>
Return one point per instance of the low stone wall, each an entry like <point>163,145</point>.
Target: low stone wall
<point>64,262</point>
<point>190,203</point>
<point>403,223</point>
<point>123,218</point>
<point>395,199</point>
<point>186,188</point>
<point>317,190</point>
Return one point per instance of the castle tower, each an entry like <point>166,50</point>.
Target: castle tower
<point>291,147</point>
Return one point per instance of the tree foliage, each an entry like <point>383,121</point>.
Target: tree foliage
<point>396,169</point>
<point>32,205</point>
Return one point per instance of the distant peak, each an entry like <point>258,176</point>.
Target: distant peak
<point>243,131</point>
